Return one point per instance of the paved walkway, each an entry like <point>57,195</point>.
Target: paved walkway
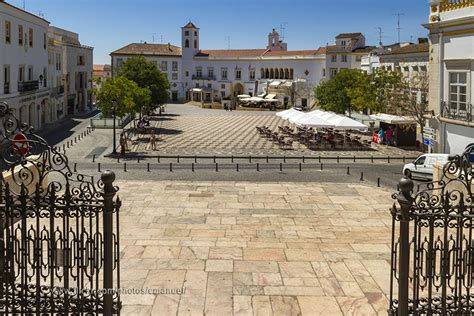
<point>241,248</point>
<point>187,129</point>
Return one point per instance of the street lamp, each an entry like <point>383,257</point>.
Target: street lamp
<point>114,150</point>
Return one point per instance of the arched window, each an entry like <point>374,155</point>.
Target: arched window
<point>291,73</point>
<point>277,74</point>
<point>195,44</point>
<point>272,73</point>
<point>186,43</point>
<point>267,73</point>
<point>262,73</point>
<point>282,75</point>
<point>287,74</point>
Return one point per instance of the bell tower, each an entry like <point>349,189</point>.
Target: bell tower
<point>190,40</point>
<point>274,42</point>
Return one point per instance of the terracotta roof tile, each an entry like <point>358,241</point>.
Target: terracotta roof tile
<point>349,35</point>
<point>149,49</point>
<point>255,53</point>
<point>190,25</point>
<point>409,49</point>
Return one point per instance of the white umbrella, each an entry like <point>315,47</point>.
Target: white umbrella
<point>343,122</point>
<point>315,122</point>
<point>294,118</point>
<point>287,116</point>
<point>281,113</point>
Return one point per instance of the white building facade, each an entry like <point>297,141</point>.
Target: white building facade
<point>451,26</point>
<point>216,75</point>
<point>24,62</point>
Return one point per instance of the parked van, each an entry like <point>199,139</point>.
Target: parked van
<point>422,167</point>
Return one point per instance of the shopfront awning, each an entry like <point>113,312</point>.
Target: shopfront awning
<point>392,119</point>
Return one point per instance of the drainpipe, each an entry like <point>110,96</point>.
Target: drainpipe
<point>442,125</point>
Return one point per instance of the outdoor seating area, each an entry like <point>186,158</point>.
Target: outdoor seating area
<point>317,130</point>
<point>324,139</point>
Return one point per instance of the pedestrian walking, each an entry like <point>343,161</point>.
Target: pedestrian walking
<point>153,140</point>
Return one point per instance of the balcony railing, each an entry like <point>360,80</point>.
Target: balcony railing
<point>196,77</point>
<point>451,5</point>
<point>6,88</point>
<point>28,86</point>
<point>57,90</point>
<point>454,112</point>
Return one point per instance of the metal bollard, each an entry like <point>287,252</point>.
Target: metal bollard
<point>118,159</point>
<point>362,176</point>
<point>138,159</point>
<point>250,159</point>
<point>388,159</point>
<point>192,167</point>
<point>75,167</point>
<point>195,159</point>
<point>148,167</point>
<point>378,182</point>
<point>322,167</point>
<point>337,159</point>
<point>404,158</point>
<point>214,159</point>
<point>267,158</point>
<point>178,159</point>
<point>171,167</point>
<point>354,158</point>
<point>284,159</point>
<point>67,144</point>
<point>319,159</point>
<point>232,159</point>
<point>93,158</point>
<point>237,167</point>
<point>303,160</point>
<point>124,167</point>
<point>300,167</point>
<point>98,167</point>
<point>258,166</point>
<point>281,167</point>
<point>217,167</point>
<point>348,171</point>
<point>372,159</point>
<point>158,158</point>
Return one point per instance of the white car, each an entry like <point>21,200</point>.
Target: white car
<point>422,167</point>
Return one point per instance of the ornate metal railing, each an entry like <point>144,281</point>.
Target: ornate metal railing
<point>450,5</point>
<point>59,230</point>
<point>454,112</point>
<point>25,86</point>
<point>432,269</point>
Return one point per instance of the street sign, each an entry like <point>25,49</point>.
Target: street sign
<point>20,144</point>
<point>428,142</point>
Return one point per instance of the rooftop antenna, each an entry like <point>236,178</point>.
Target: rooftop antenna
<point>161,39</point>
<point>282,30</point>
<point>153,37</point>
<point>41,14</point>
<point>411,38</point>
<point>380,35</point>
<point>227,38</point>
<point>400,14</point>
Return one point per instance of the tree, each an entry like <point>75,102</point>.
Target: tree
<point>124,94</point>
<point>147,75</point>
<point>337,94</point>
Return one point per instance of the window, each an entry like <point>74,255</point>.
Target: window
<point>209,85</point>
<point>30,73</point>
<point>223,86</point>
<point>44,40</point>
<point>21,73</point>
<point>210,72</point>
<point>198,72</point>
<point>186,43</point>
<point>164,65</point>
<point>8,32</point>
<point>238,74</point>
<point>80,60</point>
<point>186,33</point>
<point>224,73</point>
<point>333,72</point>
<point>174,76</point>
<point>252,74</point>
<point>358,58</point>
<point>195,44</point>
<point>119,62</point>
<point>195,33</point>
<point>175,66</point>
<point>223,94</point>
<point>458,92</point>
<point>30,37</point>
<point>333,58</point>
<point>343,43</point>
<point>6,81</point>
<point>187,73</point>
<point>324,72</point>
<point>20,35</point>
<point>344,58</point>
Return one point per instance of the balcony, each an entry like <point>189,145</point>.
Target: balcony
<point>28,86</point>
<point>451,5</point>
<point>196,77</point>
<point>454,112</point>
<point>6,88</point>
<point>57,90</point>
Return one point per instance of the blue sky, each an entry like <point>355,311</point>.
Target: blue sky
<point>110,24</point>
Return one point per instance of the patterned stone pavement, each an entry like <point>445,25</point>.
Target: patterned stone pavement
<point>241,248</point>
<point>187,129</point>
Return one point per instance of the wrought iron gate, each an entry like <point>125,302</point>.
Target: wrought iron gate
<point>59,230</point>
<point>433,244</point>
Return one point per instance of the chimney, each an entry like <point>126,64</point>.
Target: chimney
<point>169,46</point>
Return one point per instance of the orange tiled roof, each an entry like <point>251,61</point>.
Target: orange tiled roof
<point>409,49</point>
<point>255,53</point>
<point>190,25</point>
<point>149,49</point>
